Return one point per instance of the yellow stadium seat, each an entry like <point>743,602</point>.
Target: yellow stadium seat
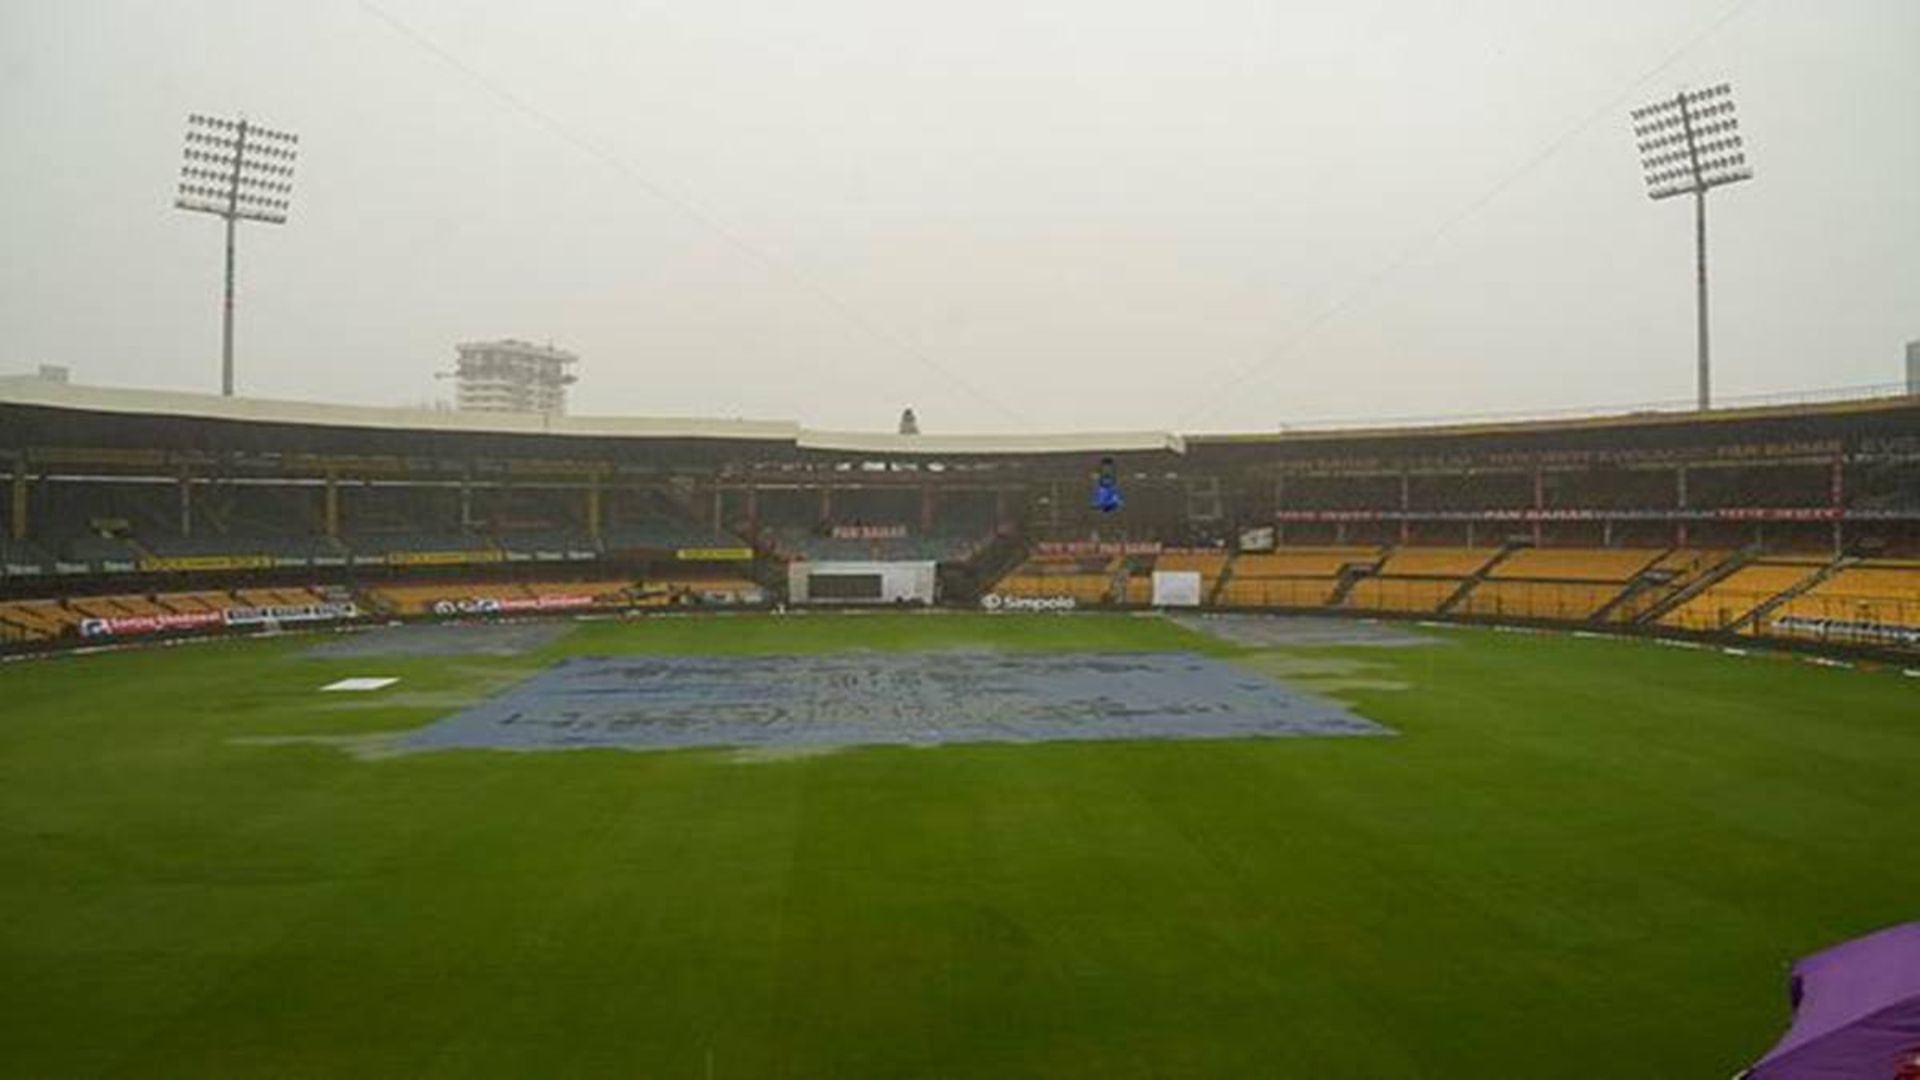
<point>1740,592</point>
<point>1401,594</point>
<point>1436,562</point>
<point>1576,564</point>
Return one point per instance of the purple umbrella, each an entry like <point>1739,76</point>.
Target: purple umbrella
<point>1856,1012</point>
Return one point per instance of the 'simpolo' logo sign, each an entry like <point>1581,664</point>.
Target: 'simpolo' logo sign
<point>997,602</point>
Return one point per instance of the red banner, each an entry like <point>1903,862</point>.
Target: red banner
<point>149,624</point>
<point>1734,513</point>
<point>547,603</point>
<point>869,532</point>
<point>1092,547</point>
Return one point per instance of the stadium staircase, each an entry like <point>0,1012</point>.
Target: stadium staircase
<point>1479,575</point>
<point>1000,556</point>
<point>1637,588</point>
<point>976,577</point>
<point>1352,575</point>
<point>770,573</point>
<point>1212,599</point>
<point>1811,581</point>
<point>1118,574</point>
<point>1707,580</point>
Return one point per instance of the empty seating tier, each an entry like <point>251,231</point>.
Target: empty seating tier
<point>1302,562</point>
<point>1401,594</point>
<point>1880,591</point>
<point>1725,601</point>
<point>1277,591</point>
<point>38,619</point>
<point>1208,564</point>
<point>1576,564</point>
<point>1087,580</point>
<point>1436,562</point>
<point>1562,601</point>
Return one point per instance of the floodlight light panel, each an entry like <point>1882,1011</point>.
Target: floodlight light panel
<point>1729,173</point>
<point>209,196</point>
<point>1708,93</point>
<point>251,168</point>
<point>1650,146</point>
<point>207,139</point>
<point>258,201</point>
<point>1668,167</point>
<point>1690,142</point>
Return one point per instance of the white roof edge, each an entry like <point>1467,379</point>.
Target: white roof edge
<point>35,391</point>
<point>32,390</point>
<point>1094,442</point>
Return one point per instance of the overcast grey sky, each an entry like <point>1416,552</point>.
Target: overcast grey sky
<point>1076,214</point>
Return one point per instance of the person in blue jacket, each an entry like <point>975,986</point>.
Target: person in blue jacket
<point>1106,489</point>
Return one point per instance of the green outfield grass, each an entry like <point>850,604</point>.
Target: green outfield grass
<point>1580,858</point>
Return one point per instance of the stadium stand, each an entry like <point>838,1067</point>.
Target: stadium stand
<point>39,619</point>
<point>97,551</point>
<point>468,597</point>
<point>183,602</point>
<point>666,534</point>
<point>1295,577</point>
<point>1576,564</point>
<point>698,589</point>
<point>1886,592</point>
<point>1522,599</point>
<point>1419,580</point>
<point>1405,595</point>
<point>1789,520</point>
<point>1723,603</point>
<point>1086,580</point>
<point>1304,562</point>
<point>546,544</point>
<point>277,597</point>
<point>42,620</point>
<point>110,607</point>
<point>796,542</point>
<point>432,547</point>
<point>1564,584</point>
<point>23,557</point>
<point>1459,563</point>
<point>1665,580</point>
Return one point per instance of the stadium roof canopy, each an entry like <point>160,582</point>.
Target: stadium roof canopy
<point>32,392</point>
<point>38,412</point>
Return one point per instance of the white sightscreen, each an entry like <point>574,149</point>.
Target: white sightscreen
<point>861,582</point>
<point>1176,588</point>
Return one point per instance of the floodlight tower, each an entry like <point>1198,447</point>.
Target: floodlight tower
<point>235,170</point>
<point>1689,144</point>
